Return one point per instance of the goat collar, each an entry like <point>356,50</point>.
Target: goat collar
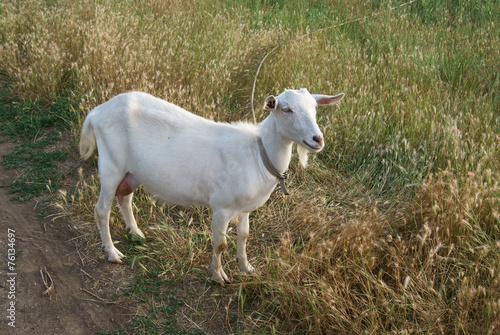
<point>270,167</point>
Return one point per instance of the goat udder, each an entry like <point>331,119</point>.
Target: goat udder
<point>126,187</point>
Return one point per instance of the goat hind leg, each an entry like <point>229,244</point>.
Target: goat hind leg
<point>128,217</point>
<point>102,211</point>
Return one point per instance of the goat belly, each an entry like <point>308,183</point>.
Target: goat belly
<point>126,187</point>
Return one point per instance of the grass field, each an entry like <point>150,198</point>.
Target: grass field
<point>393,228</point>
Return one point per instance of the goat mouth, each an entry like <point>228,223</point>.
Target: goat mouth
<point>313,148</point>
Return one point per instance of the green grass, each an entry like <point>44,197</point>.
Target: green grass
<point>36,128</point>
<point>395,225</point>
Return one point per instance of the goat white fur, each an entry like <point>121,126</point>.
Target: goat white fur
<point>185,159</point>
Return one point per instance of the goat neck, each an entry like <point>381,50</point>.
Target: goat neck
<point>278,148</point>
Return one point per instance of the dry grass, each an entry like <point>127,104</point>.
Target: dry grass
<point>394,228</point>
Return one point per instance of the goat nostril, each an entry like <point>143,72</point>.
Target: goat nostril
<point>318,139</point>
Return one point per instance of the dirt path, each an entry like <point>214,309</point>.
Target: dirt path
<point>81,302</point>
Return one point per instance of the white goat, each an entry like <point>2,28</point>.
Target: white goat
<point>187,160</point>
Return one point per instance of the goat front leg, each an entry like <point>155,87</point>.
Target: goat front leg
<point>220,221</point>
<point>243,233</point>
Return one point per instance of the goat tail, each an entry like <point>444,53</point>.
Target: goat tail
<point>87,140</point>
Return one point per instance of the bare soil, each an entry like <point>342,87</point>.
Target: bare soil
<point>81,301</point>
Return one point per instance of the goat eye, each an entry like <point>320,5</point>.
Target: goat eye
<point>287,110</point>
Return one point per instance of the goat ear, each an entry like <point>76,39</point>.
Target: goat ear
<point>322,100</point>
<point>270,103</point>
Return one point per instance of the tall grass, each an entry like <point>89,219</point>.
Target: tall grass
<point>395,225</point>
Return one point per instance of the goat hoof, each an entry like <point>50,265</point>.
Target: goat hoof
<point>245,266</point>
<point>114,256</point>
<point>220,277</point>
<point>136,235</point>
<point>249,269</point>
